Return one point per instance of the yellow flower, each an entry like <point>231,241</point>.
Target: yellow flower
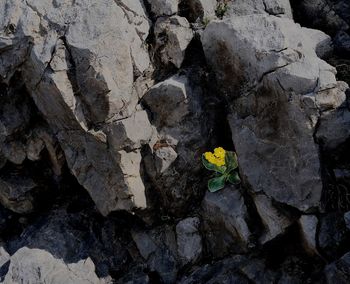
<point>219,152</point>
<point>218,158</point>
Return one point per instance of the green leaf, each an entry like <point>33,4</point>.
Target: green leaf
<point>234,178</point>
<point>211,167</point>
<point>216,184</point>
<point>231,160</point>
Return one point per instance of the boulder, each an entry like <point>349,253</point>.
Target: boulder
<point>274,220</point>
<point>225,220</point>
<point>189,241</point>
<point>173,35</point>
<point>168,101</point>
<point>158,248</point>
<point>39,266</point>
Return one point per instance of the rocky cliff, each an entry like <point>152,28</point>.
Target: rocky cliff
<point>106,108</point>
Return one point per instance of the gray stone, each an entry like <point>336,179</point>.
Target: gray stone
<point>308,225</point>
<point>189,241</point>
<point>274,220</point>
<point>158,248</point>
<point>164,7</point>
<point>173,35</point>
<point>163,158</point>
<point>225,217</point>
<point>168,101</point>
<point>39,266</point>
<point>130,133</point>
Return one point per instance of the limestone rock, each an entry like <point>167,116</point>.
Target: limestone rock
<point>225,214</point>
<point>168,101</point>
<point>189,241</point>
<point>164,7</point>
<point>275,222</point>
<point>163,158</point>
<point>173,35</point>
<point>25,264</point>
<point>80,73</point>
<point>158,248</point>
<point>130,133</point>
<point>280,8</point>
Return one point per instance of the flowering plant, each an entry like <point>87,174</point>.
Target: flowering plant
<point>223,163</point>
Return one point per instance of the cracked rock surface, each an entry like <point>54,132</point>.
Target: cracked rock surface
<point>106,107</point>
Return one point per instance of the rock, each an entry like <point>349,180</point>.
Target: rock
<point>338,271</point>
<point>324,15</point>
<point>308,226</point>
<point>177,109</point>
<point>130,133</point>
<point>189,241</point>
<point>333,235</point>
<point>130,166</point>
<point>331,98</point>
<point>76,236</point>
<point>334,128</point>
<point>16,194</point>
<point>266,114</point>
<point>195,10</point>
<point>158,248</point>
<point>163,158</point>
<point>88,69</point>
<point>39,266</point>
<point>163,7</point>
<point>168,101</point>
<point>173,35</point>
<point>274,220</point>
<point>225,218</point>
<point>279,8</point>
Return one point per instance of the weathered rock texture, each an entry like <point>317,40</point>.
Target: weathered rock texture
<point>106,107</point>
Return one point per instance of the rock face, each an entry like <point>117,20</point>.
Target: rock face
<point>106,107</point>
<point>272,126</point>
<point>80,75</point>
